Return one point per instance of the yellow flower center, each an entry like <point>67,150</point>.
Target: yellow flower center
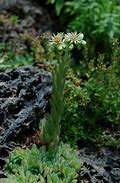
<point>57,39</point>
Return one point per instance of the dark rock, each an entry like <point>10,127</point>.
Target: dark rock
<point>101,166</point>
<point>112,162</point>
<point>115,173</point>
<point>24,95</point>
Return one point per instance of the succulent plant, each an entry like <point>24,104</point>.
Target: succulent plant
<point>59,165</point>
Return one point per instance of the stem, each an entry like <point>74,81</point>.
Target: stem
<point>51,126</point>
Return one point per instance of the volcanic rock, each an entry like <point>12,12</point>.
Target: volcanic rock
<point>24,99</point>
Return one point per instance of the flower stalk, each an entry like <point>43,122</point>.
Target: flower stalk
<point>62,44</point>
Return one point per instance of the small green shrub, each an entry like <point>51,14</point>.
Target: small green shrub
<point>109,141</point>
<point>73,122</point>
<point>98,19</point>
<point>92,105</point>
<point>35,165</point>
<point>104,90</point>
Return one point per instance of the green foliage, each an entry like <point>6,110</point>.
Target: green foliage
<point>95,18</point>
<point>13,56</point>
<point>98,19</point>
<point>51,126</point>
<point>58,5</point>
<point>104,90</point>
<point>35,165</point>
<point>109,141</point>
<point>7,20</point>
<point>14,19</point>
<point>22,177</point>
<point>73,124</point>
<point>92,105</point>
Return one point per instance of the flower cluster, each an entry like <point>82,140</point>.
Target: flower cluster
<point>62,40</point>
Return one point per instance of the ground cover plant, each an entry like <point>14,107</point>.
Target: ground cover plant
<point>92,105</point>
<point>34,165</point>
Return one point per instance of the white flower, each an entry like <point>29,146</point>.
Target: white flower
<point>57,39</point>
<point>63,41</point>
<point>61,46</point>
<point>73,37</point>
<point>83,42</point>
